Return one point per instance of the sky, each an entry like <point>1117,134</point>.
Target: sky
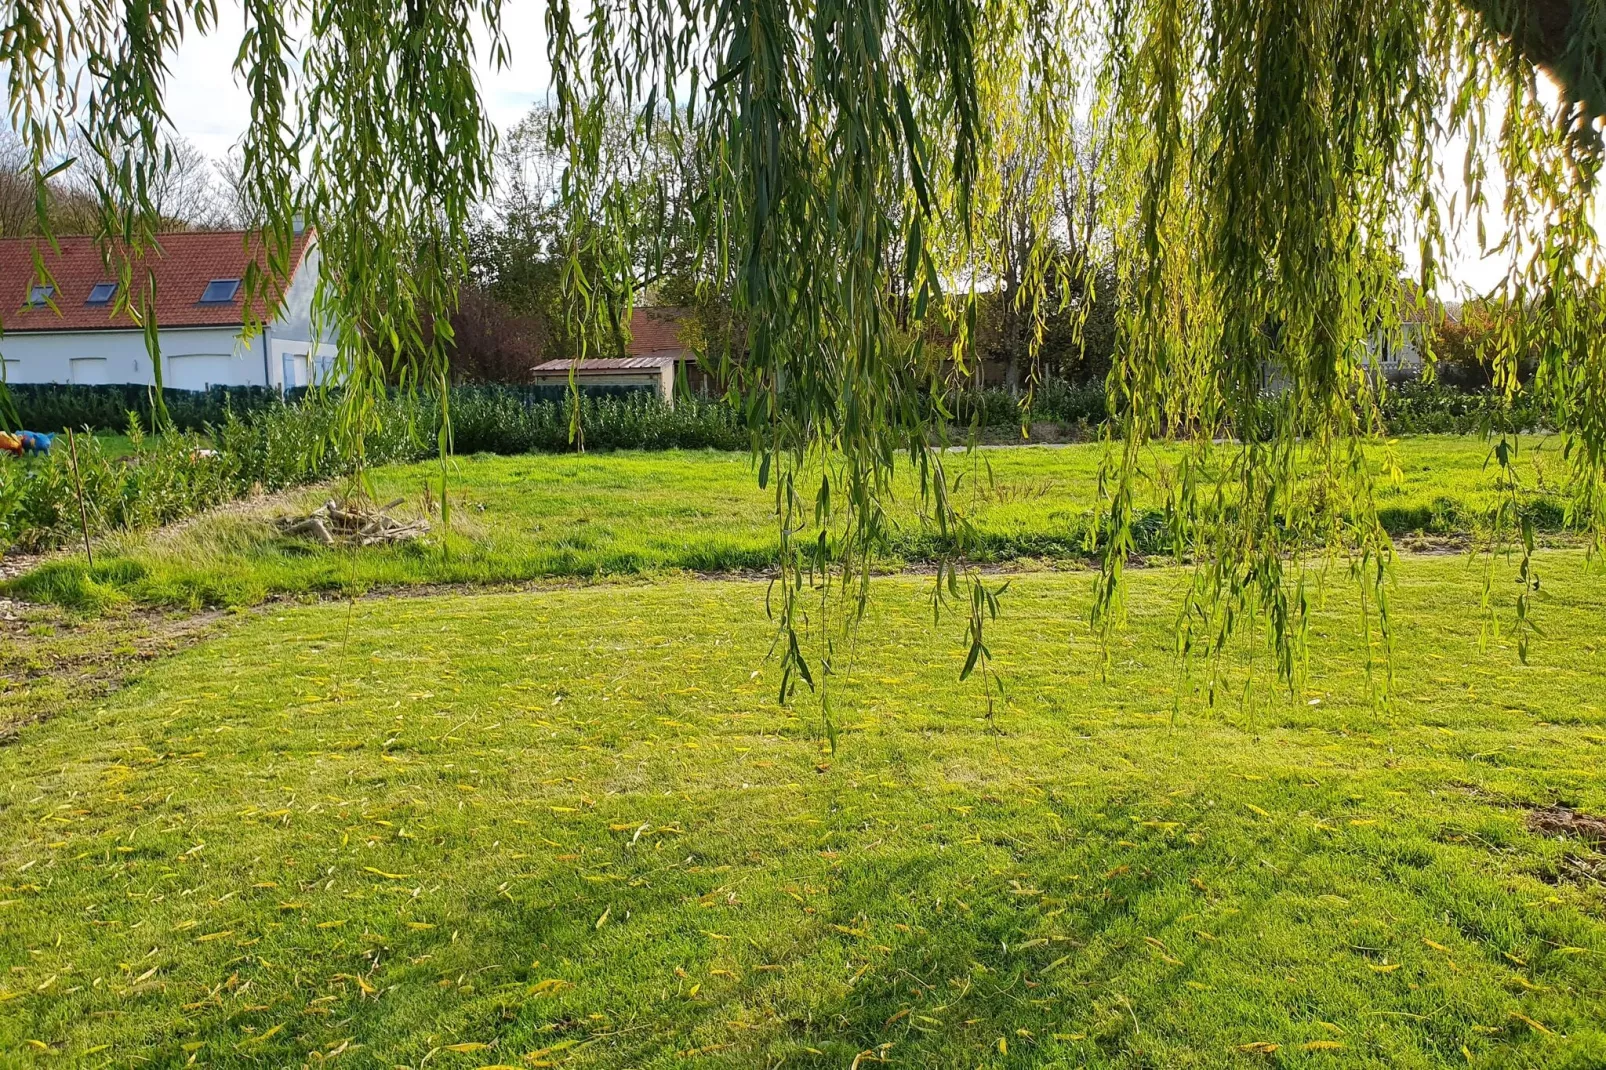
<point>209,108</point>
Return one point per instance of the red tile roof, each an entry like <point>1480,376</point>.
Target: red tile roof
<point>182,264</point>
<point>655,330</point>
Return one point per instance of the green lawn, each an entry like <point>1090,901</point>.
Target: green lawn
<point>115,445</point>
<point>532,517</point>
<point>571,828</point>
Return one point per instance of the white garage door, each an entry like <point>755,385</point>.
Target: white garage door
<point>197,371</point>
<point>89,371</point>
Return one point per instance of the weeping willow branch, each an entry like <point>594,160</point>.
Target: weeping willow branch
<point>1265,164</point>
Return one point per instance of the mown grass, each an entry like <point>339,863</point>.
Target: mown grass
<point>571,828</point>
<point>518,519</point>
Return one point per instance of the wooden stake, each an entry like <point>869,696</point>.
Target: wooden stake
<point>78,481</point>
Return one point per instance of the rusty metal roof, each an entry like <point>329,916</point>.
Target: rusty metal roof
<point>615,364</point>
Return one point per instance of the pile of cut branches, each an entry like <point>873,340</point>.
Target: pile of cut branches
<point>353,522</point>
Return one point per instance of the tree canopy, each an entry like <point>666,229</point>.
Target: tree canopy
<point>1263,163</point>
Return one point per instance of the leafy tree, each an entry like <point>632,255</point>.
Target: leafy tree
<point>1266,162</point>
<point>521,247</point>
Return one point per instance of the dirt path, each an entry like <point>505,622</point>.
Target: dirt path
<point>51,661</point>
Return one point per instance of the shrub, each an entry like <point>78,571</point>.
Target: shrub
<point>1054,400</point>
<point>56,407</point>
<point>173,475</point>
<point>1419,408</point>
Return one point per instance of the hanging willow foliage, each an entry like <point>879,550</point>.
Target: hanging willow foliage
<point>1265,161</point>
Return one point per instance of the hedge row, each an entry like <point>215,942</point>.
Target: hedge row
<point>522,419</point>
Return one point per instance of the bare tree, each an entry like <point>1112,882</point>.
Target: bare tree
<point>238,206</point>
<point>186,192</point>
<point>69,209</point>
<point>17,204</point>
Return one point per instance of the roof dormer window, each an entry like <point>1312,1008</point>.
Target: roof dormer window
<point>40,295</point>
<point>102,293</point>
<point>220,291</point>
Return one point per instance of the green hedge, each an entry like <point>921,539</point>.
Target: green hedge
<point>1435,409</point>
<point>56,407</point>
<point>523,419</point>
<point>489,419</point>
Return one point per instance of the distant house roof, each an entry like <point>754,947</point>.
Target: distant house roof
<point>614,364</point>
<point>656,330</point>
<point>184,264</point>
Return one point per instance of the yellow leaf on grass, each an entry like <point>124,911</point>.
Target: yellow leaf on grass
<point>1531,1024</point>
<point>1390,968</point>
<point>387,876</point>
<point>1259,1047</point>
<point>1257,810</point>
<point>550,985</point>
<point>562,1045</point>
<point>260,1037</point>
<point>1322,1045</point>
<point>1435,945</point>
<point>472,1045</point>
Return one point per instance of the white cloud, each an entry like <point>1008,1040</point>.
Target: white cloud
<point>210,106</point>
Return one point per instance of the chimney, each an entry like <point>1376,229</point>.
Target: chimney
<point>298,224</point>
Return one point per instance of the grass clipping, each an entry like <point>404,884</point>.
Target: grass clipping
<point>353,522</point>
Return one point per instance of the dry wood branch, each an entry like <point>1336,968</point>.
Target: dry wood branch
<point>353,522</point>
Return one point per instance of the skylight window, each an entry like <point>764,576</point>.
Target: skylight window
<point>39,295</point>
<point>102,293</point>
<point>220,291</point>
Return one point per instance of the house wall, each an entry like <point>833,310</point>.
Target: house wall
<point>298,355</point>
<point>641,377</point>
<point>193,358</point>
<point>1396,356</point>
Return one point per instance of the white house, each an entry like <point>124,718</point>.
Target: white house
<point>1398,356</point>
<point>61,329</point>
